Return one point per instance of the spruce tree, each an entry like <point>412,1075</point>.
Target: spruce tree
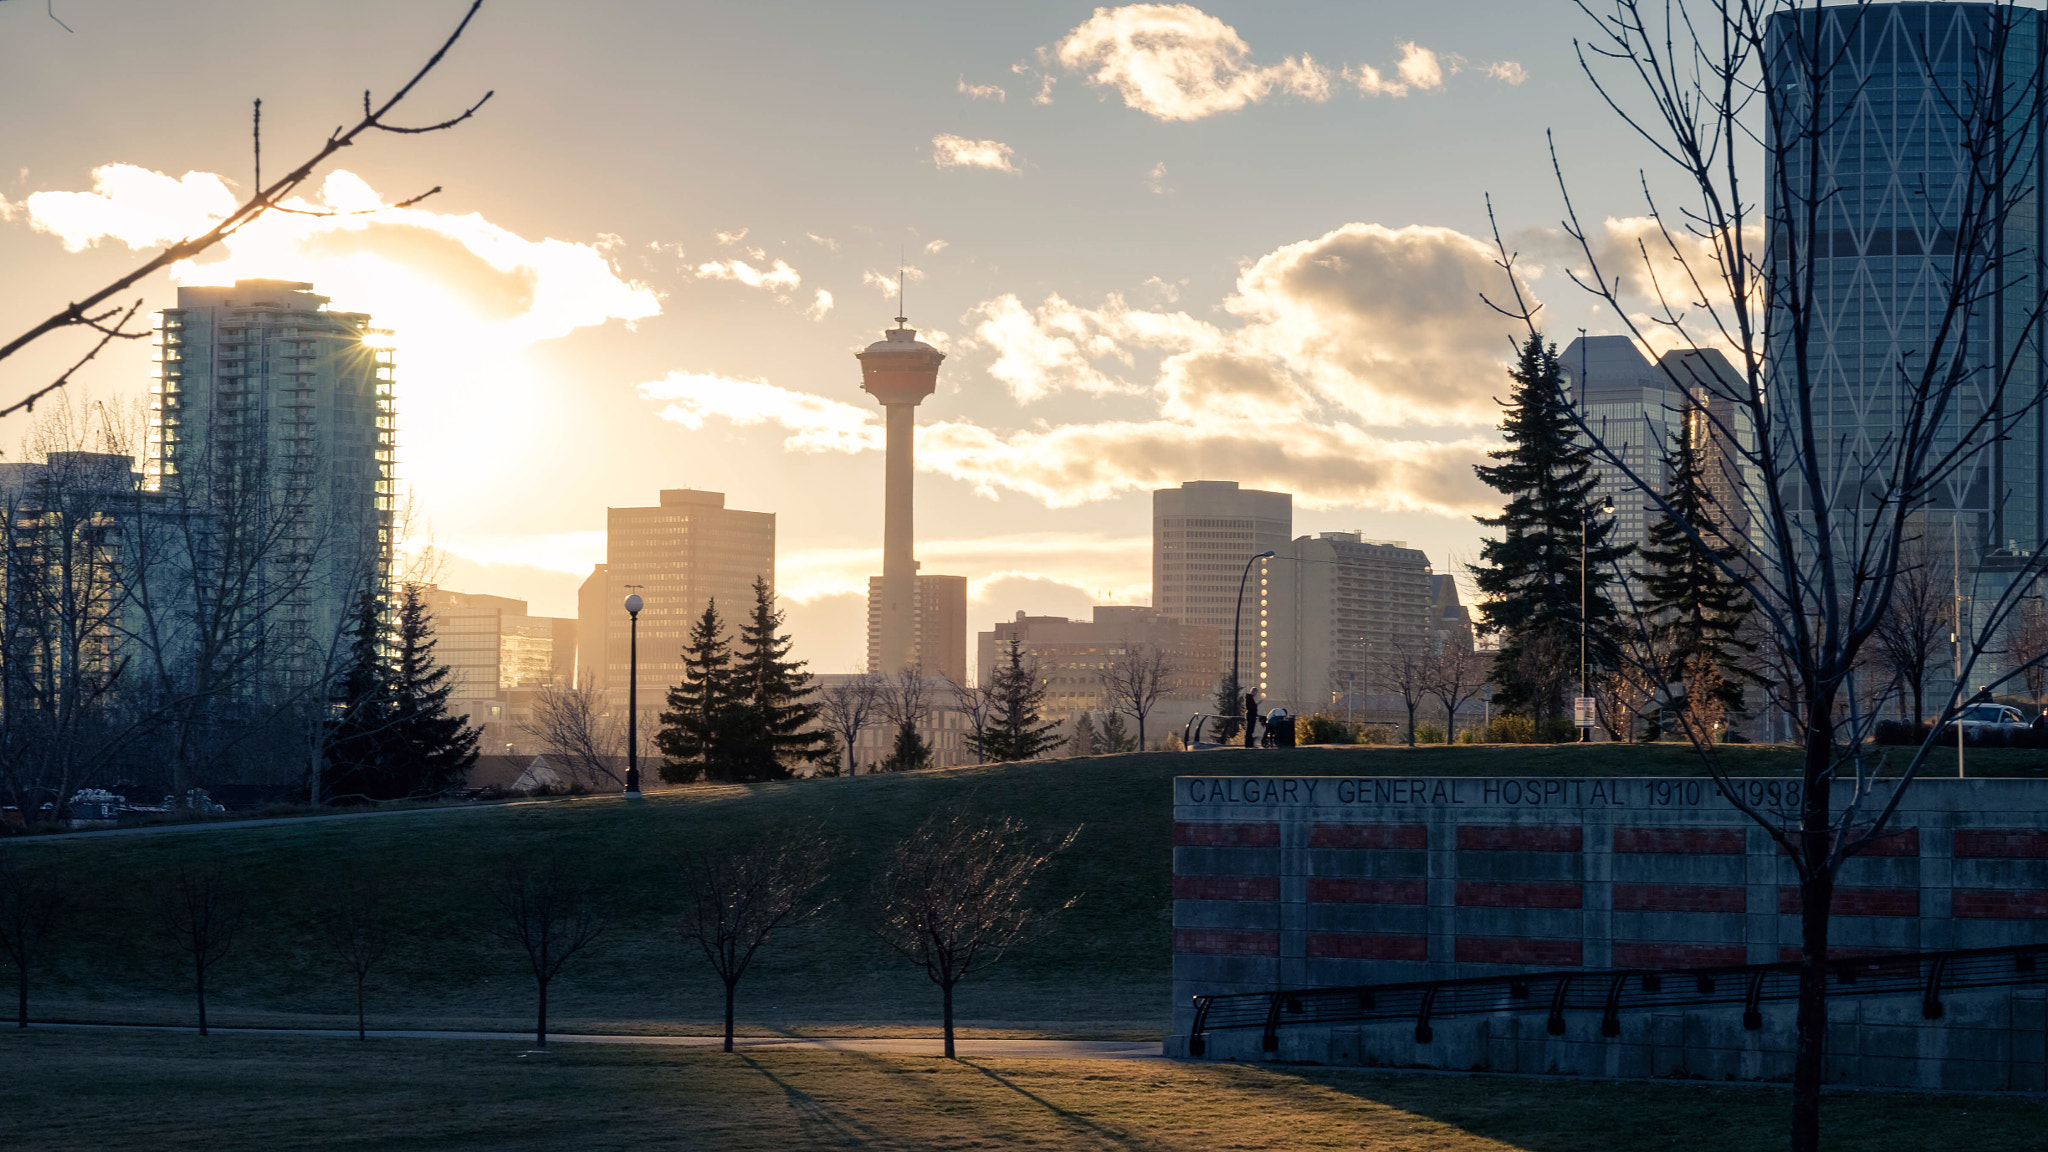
<point>1084,742</point>
<point>1695,611</point>
<point>699,726</point>
<point>1115,736</point>
<point>436,750</point>
<point>909,753</point>
<point>1530,577</point>
<point>772,700</point>
<point>360,763</point>
<point>1017,732</point>
<point>1229,718</point>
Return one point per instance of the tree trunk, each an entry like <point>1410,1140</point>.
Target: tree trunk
<point>946,990</point>
<point>362,1033</point>
<point>1411,725</point>
<point>199,986</point>
<point>1816,893</point>
<point>1141,731</point>
<point>1450,725</point>
<point>540,1024</point>
<point>728,1015</point>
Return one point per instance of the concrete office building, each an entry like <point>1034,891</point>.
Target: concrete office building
<point>1632,405</point>
<point>276,417</point>
<point>1894,180</point>
<point>1334,612</point>
<point>494,649</point>
<point>1202,534</point>
<point>679,555</point>
<point>1071,655</point>
<point>940,614</point>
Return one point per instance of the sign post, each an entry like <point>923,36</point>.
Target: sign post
<point>1582,712</point>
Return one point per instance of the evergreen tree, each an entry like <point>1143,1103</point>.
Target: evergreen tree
<point>1695,611</point>
<point>1116,737</point>
<point>436,750</point>
<point>772,700</point>
<point>1229,718</point>
<point>699,727</point>
<point>1084,741</point>
<point>909,754</point>
<point>1016,731</point>
<point>360,762</point>
<point>1530,577</point>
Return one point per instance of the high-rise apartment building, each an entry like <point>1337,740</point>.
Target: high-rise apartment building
<point>1202,534</point>
<point>275,418</point>
<point>940,610</point>
<point>1334,613</point>
<point>688,551</point>
<point>1897,184</point>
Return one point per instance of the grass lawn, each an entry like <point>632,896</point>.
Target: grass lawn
<point>227,1094</point>
<point>1105,973</point>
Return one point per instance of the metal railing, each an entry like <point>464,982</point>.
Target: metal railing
<point>1611,992</point>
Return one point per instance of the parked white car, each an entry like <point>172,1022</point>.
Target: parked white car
<point>1996,721</point>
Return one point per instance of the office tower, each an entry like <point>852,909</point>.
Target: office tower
<point>497,656</point>
<point>1894,186</point>
<point>679,555</point>
<point>1632,405</point>
<point>1336,613</point>
<point>899,371</point>
<point>590,634</point>
<point>1070,656</point>
<point>1202,534</point>
<point>940,611</point>
<point>275,418</point>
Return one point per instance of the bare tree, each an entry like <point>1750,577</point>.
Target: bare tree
<point>952,897</point>
<point>1916,625</point>
<point>574,728</point>
<point>905,698</point>
<point>1406,670</point>
<point>737,901</point>
<point>201,911</point>
<point>550,916</point>
<point>354,925</point>
<point>31,903</point>
<point>2026,643</point>
<point>92,311</point>
<point>1456,675</point>
<point>849,706</point>
<point>1828,517</point>
<point>1134,679</point>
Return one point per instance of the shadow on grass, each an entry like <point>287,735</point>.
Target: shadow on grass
<point>1072,1119</point>
<point>820,1123</point>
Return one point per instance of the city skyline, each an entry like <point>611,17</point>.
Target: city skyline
<point>590,344</point>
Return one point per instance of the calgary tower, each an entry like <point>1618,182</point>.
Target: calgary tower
<point>899,370</point>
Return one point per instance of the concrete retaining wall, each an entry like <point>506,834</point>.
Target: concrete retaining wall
<point>1331,881</point>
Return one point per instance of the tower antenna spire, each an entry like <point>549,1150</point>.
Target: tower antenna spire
<point>901,317</point>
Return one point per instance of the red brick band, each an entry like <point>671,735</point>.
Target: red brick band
<point>1660,954</point>
<point>1519,950</point>
<point>1859,901</point>
<point>1395,836</point>
<point>1681,841</point>
<point>1894,842</point>
<point>1680,898</point>
<point>1331,890</point>
<point>1519,894</point>
<point>1520,838</point>
<point>1189,835</point>
<point>1226,942</point>
<point>1226,887</point>
<point>1998,904</point>
<point>1366,946</point>
<point>2001,843</point>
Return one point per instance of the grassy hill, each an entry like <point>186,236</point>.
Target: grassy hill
<point>1105,972</point>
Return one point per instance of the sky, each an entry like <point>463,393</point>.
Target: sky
<point>1233,241</point>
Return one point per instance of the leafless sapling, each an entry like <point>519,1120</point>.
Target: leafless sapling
<point>110,321</point>
<point>1135,679</point>
<point>549,915</point>
<point>954,897</point>
<point>848,707</point>
<point>1457,674</point>
<point>738,900</point>
<point>354,925</point>
<point>31,903</point>
<point>1406,669</point>
<point>201,910</point>
<point>573,727</point>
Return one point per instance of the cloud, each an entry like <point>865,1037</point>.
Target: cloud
<point>1507,72</point>
<point>1048,349</point>
<point>827,242</point>
<point>1156,179</point>
<point>134,206</point>
<point>885,282</point>
<point>779,278</point>
<point>1418,70</point>
<point>950,151</point>
<point>982,91</point>
<point>815,424</point>
<point>937,246</point>
<point>573,552</point>
<point>731,237</point>
<point>819,306</point>
<point>1176,62</point>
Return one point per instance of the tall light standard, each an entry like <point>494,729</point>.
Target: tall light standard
<point>633,606</point>
<point>1585,527</point>
<point>1237,625</point>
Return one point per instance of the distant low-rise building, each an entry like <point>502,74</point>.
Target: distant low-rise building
<point>1071,656</point>
<point>498,656</point>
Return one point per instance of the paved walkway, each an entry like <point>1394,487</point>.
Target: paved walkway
<point>265,821</point>
<point>880,1045</point>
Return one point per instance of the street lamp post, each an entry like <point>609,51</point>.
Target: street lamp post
<point>1237,633</point>
<point>1585,524</point>
<point>633,606</point>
